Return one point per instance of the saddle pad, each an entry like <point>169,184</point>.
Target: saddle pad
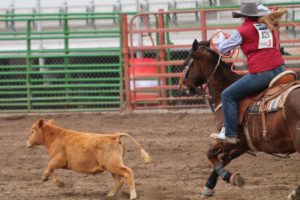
<point>267,104</point>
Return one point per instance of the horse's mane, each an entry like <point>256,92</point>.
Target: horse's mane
<point>216,55</point>
<point>206,45</point>
<point>223,64</point>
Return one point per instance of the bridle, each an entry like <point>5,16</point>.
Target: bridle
<point>183,79</point>
<point>187,68</point>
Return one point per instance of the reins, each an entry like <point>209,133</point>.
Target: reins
<point>211,75</point>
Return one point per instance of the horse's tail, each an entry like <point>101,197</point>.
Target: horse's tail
<point>292,115</point>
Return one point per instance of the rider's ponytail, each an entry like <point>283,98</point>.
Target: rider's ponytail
<point>273,19</point>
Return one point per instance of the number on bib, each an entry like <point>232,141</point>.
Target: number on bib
<point>265,36</point>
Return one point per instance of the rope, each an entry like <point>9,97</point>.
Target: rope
<point>230,54</point>
<point>214,44</point>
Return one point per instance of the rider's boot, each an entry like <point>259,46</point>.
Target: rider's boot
<point>223,138</point>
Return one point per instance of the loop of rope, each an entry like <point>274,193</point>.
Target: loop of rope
<point>214,44</point>
<point>230,54</point>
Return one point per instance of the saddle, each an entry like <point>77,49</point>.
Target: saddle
<point>271,99</point>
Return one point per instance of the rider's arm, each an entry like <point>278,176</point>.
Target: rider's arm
<point>233,41</point>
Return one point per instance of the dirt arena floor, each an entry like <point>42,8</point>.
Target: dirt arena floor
<point>177,143</point>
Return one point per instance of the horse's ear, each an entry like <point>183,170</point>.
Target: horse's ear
<point>195,45</point>
<point>208,42</point>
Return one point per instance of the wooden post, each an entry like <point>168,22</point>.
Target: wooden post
<point>203,25</point>
<point>125,54</point>
<point>162,54</point>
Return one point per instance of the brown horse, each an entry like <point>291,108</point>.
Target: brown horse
<point>204,65</point>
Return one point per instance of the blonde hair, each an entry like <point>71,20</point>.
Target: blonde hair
<point>273,19</point>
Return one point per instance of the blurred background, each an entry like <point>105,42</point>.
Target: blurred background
<point>27,6</point>
<point>95,55</point>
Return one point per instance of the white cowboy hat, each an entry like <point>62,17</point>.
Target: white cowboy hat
<point>249,9</point>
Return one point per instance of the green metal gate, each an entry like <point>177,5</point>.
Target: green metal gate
<point>49,67</point>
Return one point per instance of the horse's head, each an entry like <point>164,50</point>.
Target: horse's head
<point>194,73</point>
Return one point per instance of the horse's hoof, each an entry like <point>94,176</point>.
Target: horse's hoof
<point>293,196</point>
<point>207,192</point>
<point>237,180</point>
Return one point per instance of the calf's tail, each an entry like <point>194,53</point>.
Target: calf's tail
<point>145,155</point>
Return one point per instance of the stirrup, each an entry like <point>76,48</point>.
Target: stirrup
<point>226,139</point>
<point>229,140</point>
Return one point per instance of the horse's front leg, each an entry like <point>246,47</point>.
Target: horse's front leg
<point>220,155</point>
<point>295,195</point>
<point>234,179</point>
<point>210,184</point>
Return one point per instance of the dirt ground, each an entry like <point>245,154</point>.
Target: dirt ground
<point>177,143</point>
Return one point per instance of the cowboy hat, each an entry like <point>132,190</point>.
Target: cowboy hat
<point>249,9</point>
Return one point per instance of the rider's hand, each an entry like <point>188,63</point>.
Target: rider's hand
<point>220,37</point>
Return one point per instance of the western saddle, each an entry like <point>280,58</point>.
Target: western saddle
<point>278,86</point>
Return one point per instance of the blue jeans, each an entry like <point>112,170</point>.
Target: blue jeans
<point>248,85</point>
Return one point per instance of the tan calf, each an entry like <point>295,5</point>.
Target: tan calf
<point>84,152</point>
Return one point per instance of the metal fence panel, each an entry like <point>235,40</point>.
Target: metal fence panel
<point>68,64</point>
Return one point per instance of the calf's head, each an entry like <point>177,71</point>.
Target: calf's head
<point>36,134</point>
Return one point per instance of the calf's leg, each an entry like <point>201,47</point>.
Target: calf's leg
<point>57,182</point>
<point>55,163</point>
<point>118,184</point>
<point>127,173</point>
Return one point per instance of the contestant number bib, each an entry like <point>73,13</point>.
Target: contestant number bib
<point>265,36</point>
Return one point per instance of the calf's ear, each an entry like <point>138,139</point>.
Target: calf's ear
<point>41,123</point>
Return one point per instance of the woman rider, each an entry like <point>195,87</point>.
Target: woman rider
<point>264,59</point>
